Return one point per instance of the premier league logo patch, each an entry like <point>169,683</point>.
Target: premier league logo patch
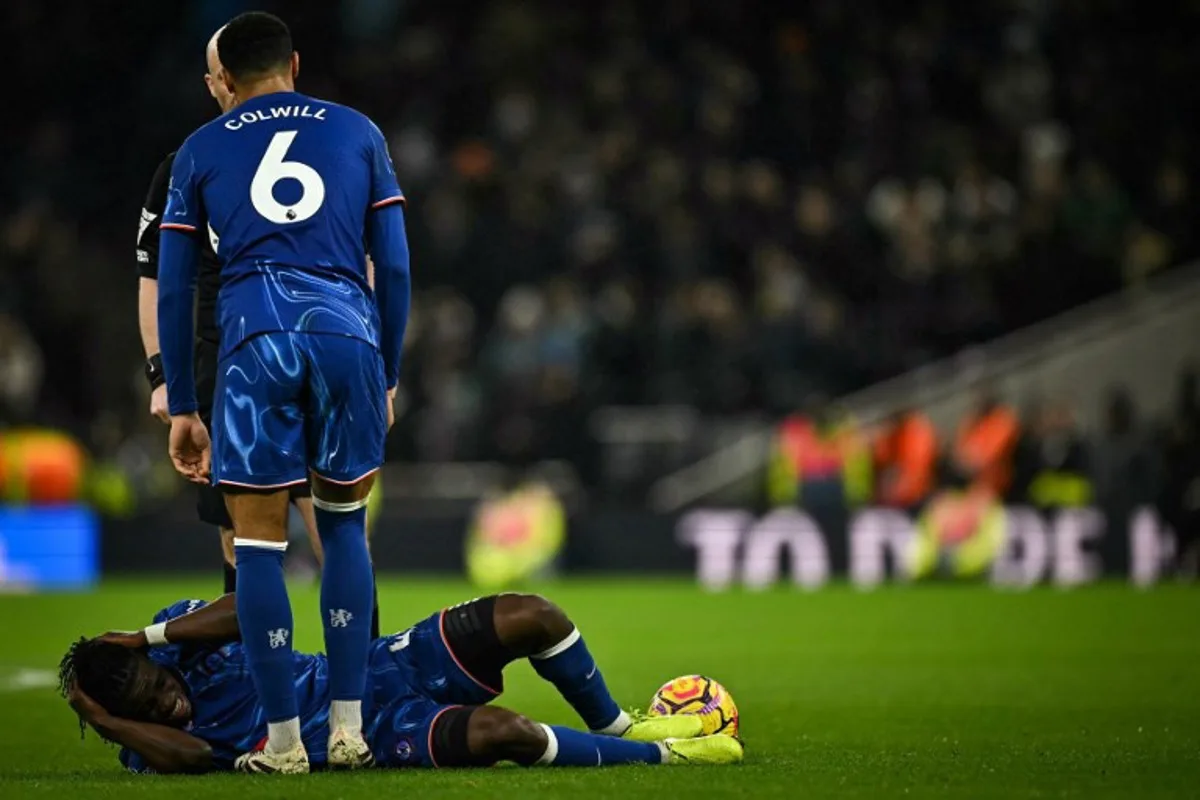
<point>404,749</point>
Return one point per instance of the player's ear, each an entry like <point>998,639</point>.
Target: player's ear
<point>227,80</point>
<point>295,65</point>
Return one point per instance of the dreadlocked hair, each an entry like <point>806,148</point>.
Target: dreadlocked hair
<point>103,670</point>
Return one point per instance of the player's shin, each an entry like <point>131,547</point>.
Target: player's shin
<point>570,667</point>
<point>566,747</point>
<point>265,618</point>
<point>347,592</point>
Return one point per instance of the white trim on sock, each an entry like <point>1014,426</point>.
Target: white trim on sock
<point>283,737</point>
<point>339,508</point>
<point>618,726</point>
<point>259,543</point>
<point>551,748</point>
<point>664,753</point>
<point>571,639</point>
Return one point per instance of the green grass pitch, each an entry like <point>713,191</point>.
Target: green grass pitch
<point>905,692</point>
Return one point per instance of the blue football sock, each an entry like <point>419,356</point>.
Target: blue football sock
<point>347,592</point>
<point>572,748</point>
<point>265,618</point>
<point>573,671</point>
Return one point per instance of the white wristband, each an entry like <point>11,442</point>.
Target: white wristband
<point>156,634</point>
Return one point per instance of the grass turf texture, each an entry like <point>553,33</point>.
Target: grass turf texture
<point>917,692</point>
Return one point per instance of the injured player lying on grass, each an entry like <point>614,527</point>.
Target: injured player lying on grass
<point>178,696</point>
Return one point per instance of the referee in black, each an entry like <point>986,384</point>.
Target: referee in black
<point>210,503</point>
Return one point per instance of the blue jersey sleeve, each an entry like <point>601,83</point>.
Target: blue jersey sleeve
<point>178,256</point>
<point>385,190</point>
<point>134,762</point>
<point>171,655</point>
<point>387,243</point>
<point>182,211</point>
<point>178,609</point>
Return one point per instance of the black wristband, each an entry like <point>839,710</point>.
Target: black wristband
<point>154,371</point>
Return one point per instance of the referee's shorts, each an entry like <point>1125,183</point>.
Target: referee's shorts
<point>210,502</point>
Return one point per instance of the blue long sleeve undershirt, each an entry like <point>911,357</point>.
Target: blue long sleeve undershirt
<point>388,245</point>
<point>178,256</point>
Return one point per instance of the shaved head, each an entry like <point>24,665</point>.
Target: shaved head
<point>211,56</point>
<point>213,77</point>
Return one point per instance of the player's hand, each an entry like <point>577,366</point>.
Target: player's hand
<point>391,406</point>
<point>88,709</point>
<point>134,640</point>
<point>190,448</point>
<point>158,404</point>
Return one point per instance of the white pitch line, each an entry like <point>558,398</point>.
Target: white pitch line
<point>23,679</point>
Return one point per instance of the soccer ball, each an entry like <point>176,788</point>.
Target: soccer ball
<point>696,694</point>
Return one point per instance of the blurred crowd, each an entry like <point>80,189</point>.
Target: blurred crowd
<point>1036,456</point>
<point>723,205</point>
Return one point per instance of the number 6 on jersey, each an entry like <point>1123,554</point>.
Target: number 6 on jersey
<point>273,169</point>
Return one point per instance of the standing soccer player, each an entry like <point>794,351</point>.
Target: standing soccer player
<point>308,363</point>
<point>210,505</point>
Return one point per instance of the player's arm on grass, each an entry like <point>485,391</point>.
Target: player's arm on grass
<point>161,748</point>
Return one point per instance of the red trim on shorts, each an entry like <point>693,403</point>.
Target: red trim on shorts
<point>388,201</point>
<point>350,482</point>
<point>429,736</point>
<point>262,486</point>
<point>457,663</point>
<point>177,226</point>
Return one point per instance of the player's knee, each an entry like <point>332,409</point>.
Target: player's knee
<point>497,734</point>
<point>529,623</point>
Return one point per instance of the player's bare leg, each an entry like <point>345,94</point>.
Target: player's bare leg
<point>305,507</point>
<point>265,617</point>
<point>483,735</point>
<point>347,593</point>
<point>229,559</point>
<point>530,626</point>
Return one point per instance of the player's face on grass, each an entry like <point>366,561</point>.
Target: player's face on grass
<point>156,695</point>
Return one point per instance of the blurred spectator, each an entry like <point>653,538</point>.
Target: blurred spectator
<point>985,445</point>
<point>1179,498</point>
<point>1126,470</point>
<point>20,372</point>
<point>516,534</point>
<point>640,204</point>
<point>1052,461</point>
<point>1096,216</point>
<point>906,458</point>
<point>821,461</point>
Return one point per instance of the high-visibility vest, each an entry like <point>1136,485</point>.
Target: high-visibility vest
<point>986,445</point>
<point>803,452</point>
<point>514,536</point>
<point>906,456</point>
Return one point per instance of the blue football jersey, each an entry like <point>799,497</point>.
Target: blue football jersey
<point>225,707</point>
<point>282,185</point>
